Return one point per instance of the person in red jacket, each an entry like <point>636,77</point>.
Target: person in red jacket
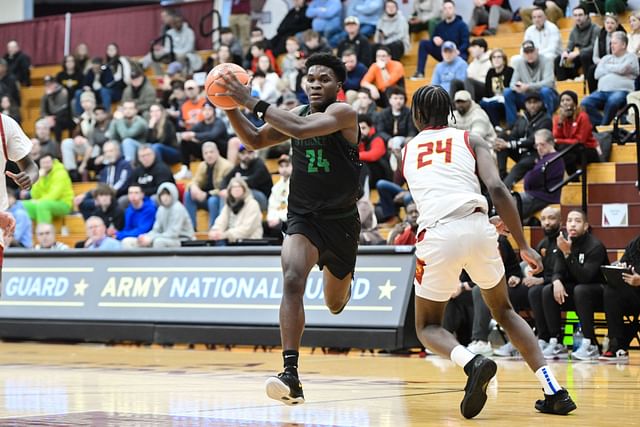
<point>572,126</point>
<point>257,50</point>
<point>405,233</point>
<point>373,152</point>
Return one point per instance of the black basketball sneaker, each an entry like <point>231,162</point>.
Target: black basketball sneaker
<point>558,404</point>
<point>480,370</point>
<point>285,388</point>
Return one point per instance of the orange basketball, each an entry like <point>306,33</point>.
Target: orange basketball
<point>211,86</point>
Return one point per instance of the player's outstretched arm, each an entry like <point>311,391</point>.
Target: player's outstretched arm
<point>503,201</point>
<point>335,118</point>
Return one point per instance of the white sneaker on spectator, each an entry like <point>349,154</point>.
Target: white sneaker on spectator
<point>555,350</point>
<point>480,347</point>
<point>587,351</point>
<point>542,344</point>
<point>507,350</point>
<point>183,173</point>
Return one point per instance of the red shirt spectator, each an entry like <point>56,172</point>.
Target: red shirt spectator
<point>407,237</point>
<point>577,131</point>
<point>570,124</point>
<point>371,147</point>
<point>256,52</point>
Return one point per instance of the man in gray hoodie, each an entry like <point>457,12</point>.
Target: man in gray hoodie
<point>393,30</point>
<point>616,74</point>
<point>172,224</point>
<point>579,50</point>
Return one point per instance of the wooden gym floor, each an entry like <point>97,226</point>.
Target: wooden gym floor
<point>69,385</point>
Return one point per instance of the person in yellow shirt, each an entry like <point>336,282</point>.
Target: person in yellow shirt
<point>52,195</point>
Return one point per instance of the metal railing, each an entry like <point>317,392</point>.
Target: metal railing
<point>169,56</point>
<point>631,136</point>
<point>581,171</point>
<point>215,24</point>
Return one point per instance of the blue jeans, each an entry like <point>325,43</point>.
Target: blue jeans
<point>211,205</point>
<point>514,101</point>
<point>387,190</point>
<point>130,149</point>
<point>610,102</point>
<point>104,95</point>
<point>333,36</point>
<point>168,154</point>
<point>427,47</point>
<point>495,111</point>
<point>261,199</point>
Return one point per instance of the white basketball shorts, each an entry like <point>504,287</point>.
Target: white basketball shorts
<point>469,243</point>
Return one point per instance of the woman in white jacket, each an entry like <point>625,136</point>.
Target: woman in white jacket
<point>241,217</point>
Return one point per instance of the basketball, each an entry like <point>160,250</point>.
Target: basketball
<point>212,87</point>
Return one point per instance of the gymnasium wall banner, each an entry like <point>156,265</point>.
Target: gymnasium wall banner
<point>226,286</point>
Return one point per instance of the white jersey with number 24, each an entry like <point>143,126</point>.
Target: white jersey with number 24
<point>439,166</point>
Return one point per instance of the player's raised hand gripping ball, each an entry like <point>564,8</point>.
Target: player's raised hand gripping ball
<point>219,91</point>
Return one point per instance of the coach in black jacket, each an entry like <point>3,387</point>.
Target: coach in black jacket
<point>576,276</point>
<point>547,248</point>
<point>519,144</point>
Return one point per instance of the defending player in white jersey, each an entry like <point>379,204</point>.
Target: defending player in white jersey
<point>15,147</point>
<point>441,166</point>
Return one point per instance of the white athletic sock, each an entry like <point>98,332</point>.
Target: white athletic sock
<point>461,355</point>
<point>548,380</point>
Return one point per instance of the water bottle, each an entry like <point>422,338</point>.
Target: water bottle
<point>577,337</point>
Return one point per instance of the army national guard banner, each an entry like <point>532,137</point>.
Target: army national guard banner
<point>234,286</point>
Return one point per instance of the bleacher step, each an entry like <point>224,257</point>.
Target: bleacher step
<point>616,192</point>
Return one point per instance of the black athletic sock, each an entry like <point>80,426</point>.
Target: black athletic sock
<point>291,361</point>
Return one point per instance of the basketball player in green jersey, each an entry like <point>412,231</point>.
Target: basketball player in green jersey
<point>323,224</point>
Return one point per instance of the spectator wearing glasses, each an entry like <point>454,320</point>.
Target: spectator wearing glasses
<point>535,196</point>
<point>497,80</point>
